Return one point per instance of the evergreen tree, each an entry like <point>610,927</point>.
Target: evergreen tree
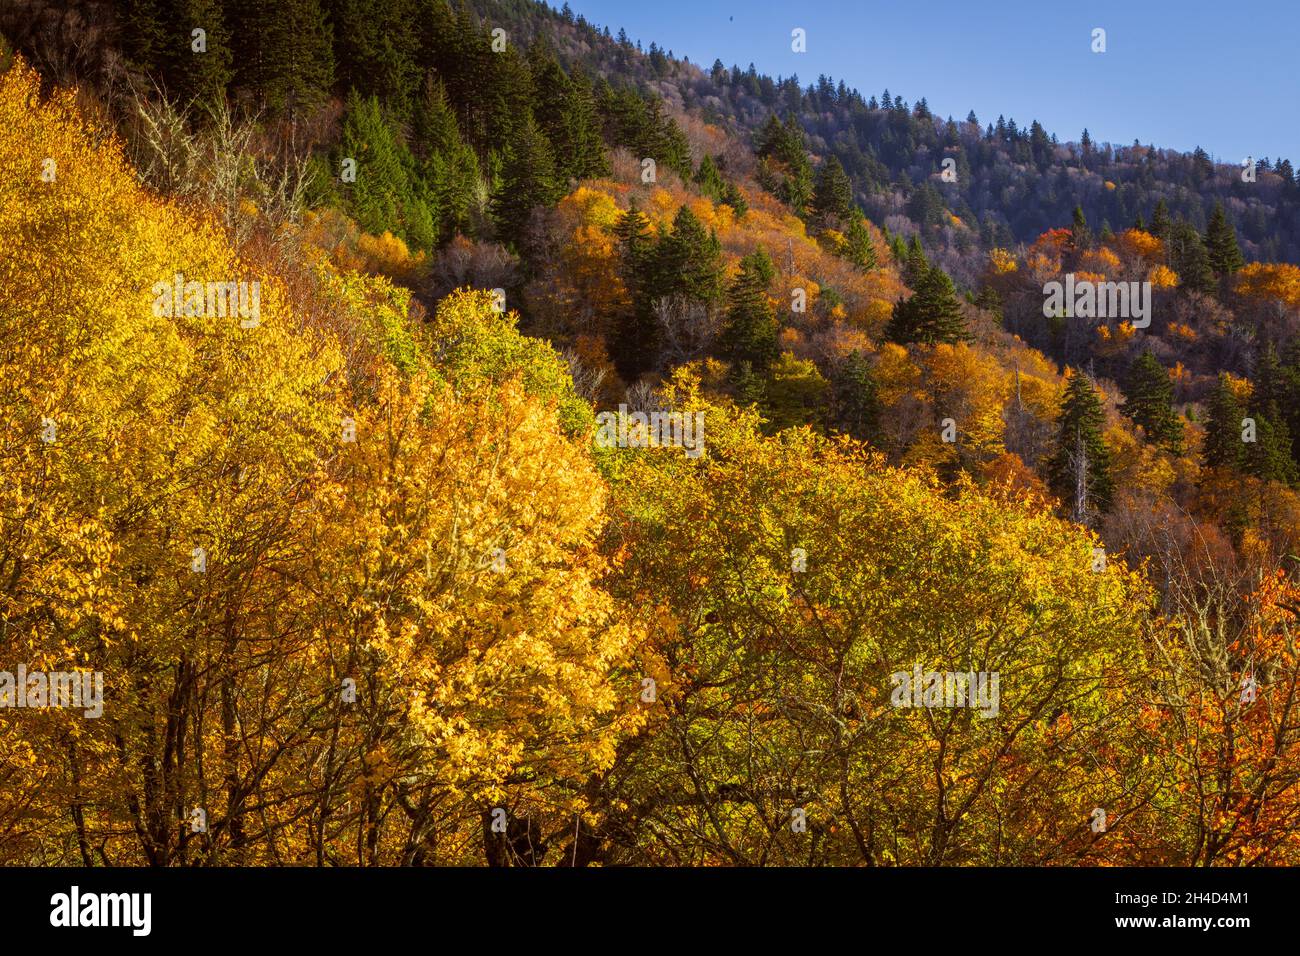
<point>528,180</point>
<point>1149,402</point>
<point>855,401</point>
<point>688,261</point>
<point>858,246</point>
<point>750,385</point>
<point>1188,258</point>
<point>1223,428</point>
<point>146,36</point>
<point>1080,235</point>
<point>833,196</point>
<point>931,315</point>
<point>565,108</point>
<point>1079,470</point>
<point>749,334</point>
<point>382,192</point>
<point>634,348</point>
<point>586,155</point>
<point>1268,457</point>
<point>783,144</point>
<point>915,264</point>
<point>664,140</point>
<point>376,50</point>
<point>450,167</point>
<point>193,75</point>
<point>1160,221</point>
<point>733,197</point>
<point>284,53</point>
<point>1221,244</point>
<point>636,243</point>
<point>709,179</point>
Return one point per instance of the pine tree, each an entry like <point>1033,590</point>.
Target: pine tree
<point>749,333</point>
<point>382,188</point>
<point>1268,457</point>
<point>376,50</point>
<point>1160,221</point>
<point>284,53</point>
<point>1080,235</point>
<point>635,345</point>
<point>855,401</point>
<point>833,196</point>
<point>1221,244</point>
<point>450,167</point>
<point>708,178</point>
<point>1149,402</point>
<point>528,180</point>
<point>145,33</point>
<point>587,156</point>
<point>688,261</point>
<point>1079,470</point>
<point>858,246</point>
<point>1224,447</point>
<point>1188,258</point>
<point>931,315</point>
<point>733,197</point>
<point>192,75</point>
<point>915,264</point>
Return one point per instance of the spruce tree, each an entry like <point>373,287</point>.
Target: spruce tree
<point>382,187</point>
<point>1149,402</point>
<point>528,179</point>
<point>192,75</point>
<point>146,33</point>
<point>931,315</point>
<point>376,50</point>
<point>733,197</point>
<point>450,167</point>
<point>750,331</point>
<point>587,157</point>
<point>1080,235</point>
<point>1160,221</point>
<point>635,341</point>
<point>1079,470</point>
<point>688,261</point>
<point>855,401</point>
<point>1221,244</point>
<point>636,242</point>
<point>1224,447</point>
<point>1188,258</point>
<point>915,264</point>
<point>1268,457</point>
<point>284,54</point>
<point>708,178</point>
<point>833,196</point>
<point>858,246</point>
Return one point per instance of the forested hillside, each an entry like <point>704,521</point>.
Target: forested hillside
<point>370,582</point>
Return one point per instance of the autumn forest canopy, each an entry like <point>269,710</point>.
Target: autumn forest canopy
<point>456,435</point>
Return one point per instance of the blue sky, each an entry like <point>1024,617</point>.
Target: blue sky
<point>1176,74</point>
